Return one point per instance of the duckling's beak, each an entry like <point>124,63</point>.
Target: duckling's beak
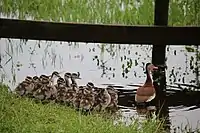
<point>75,75</point>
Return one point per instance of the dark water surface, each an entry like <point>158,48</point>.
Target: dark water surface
<point>102,64</point>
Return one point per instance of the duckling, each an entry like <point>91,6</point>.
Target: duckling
<point>53,77</point>
<point>70,94</point>
<point>61,91</point>
<point>104,98</point>
<point>25,87</point>
<point>78,97</point>
<point>72,88</point>
<point>87,100</point>
<point>60,82</point>
<point>73,77</point>
<point>97,106</point>
<point>81,95</point>
<point>68,85</point>
<point>36,79</point>
<point>21,88</point>
<point>67,77</point>
<point>37,83</point>
<point>44,78</point>
<point>32,85</point>
<point>90,86</point>
<point>51,90</point>
<point>29,79</point>
<point>114,98</point>
<point>43,92</point>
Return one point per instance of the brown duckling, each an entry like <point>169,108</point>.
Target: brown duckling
<point>37,83</point>
<point>75,76</point>
<point>114,98</point>
<point>30,87</point>
<point>61,90</point>
<point>44,78</point>
<point>70,94</point>
<point>43,92</point>
<point>67,77</point>
<point>72,88</point>
<point>87,100</point>
<point>78,97</point>
<point>55,75</point>
<point>88,97</point>
<point>96,92</point>
<point>51,90</point>
<point>104,98</point>
<point>21,88</point>
<point>69,90</point>
<point>90,86</point>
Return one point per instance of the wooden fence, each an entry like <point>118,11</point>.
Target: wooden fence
<point>98,33</point>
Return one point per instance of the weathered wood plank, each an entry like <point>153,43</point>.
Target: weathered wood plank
<point>40,30</point>
<point>160,19</point>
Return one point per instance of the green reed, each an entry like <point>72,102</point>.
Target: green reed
<point>185,12</point>
<point>117,12</point>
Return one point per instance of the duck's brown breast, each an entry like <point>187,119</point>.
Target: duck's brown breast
<point>146,90</point>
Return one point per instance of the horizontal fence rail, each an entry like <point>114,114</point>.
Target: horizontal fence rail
<point>98,33</point>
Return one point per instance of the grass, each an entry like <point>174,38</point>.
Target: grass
<point>25,116</point>
<point>92,11</point>
<point>131,12</point>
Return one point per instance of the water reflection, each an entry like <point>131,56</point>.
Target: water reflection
<point>120,65</point>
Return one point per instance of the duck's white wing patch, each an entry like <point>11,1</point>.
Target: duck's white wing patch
<point>151,97</point>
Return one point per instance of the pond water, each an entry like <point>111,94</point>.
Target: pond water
<point>101,64</point>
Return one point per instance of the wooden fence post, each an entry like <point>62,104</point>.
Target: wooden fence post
<point>160,19</point>
<point>158,58</point>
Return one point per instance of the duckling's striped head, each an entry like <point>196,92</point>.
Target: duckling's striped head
<point>56,74</point>
<point>25,83</point>
<point>76,75</point>
<point>67,75</point>
<point>36,79</point>
<point>60,81</point>
<point>111,89</point>
<point>90,85</point>
<point>29,79</point>
<point>44,79</point>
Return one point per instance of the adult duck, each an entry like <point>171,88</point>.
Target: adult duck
<point>146,93</point>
